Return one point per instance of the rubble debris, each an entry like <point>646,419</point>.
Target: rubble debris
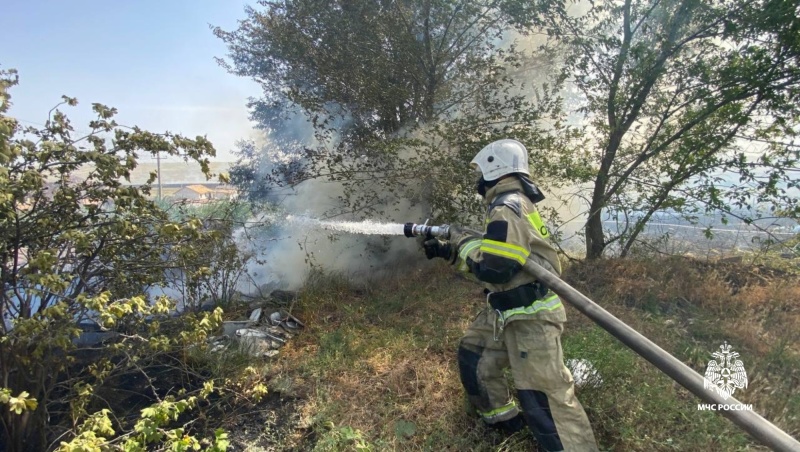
<point>230,327</point>
<point>278,331</point>
<point>285,320</point>
<point>257,338</point>
<point>255,315</point>
<point>250,332</point>
<point>258,342</point>
<point>218,344</point>
<point>290,324</point>
<point>297,321</point>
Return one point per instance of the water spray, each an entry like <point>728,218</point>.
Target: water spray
<point>424,230</point>
<point>367,227</point>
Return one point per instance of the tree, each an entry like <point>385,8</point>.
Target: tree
<point>373,78</point>
<point>385,64</point>
<point>76,243</point>
<point>675,91</point>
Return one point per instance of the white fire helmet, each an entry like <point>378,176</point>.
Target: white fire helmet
<point>501,157</point>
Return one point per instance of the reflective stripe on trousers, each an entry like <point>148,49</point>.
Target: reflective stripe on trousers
<point>549,303</point>
<point>531,348</point>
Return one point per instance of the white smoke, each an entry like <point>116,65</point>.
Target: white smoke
<point>302,235</point>
<point>288,246</point>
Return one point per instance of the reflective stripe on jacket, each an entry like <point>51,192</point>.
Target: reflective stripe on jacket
<point>514,232</point>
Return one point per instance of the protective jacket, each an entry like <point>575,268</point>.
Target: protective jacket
<point>498,339</point>
<point>514,232</point>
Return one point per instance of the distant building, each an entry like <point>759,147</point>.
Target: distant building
<point>225,192</point>
<point>194,193</point>
<point>202,193</point>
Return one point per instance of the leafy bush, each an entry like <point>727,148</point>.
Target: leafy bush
<point>210,269</point>
<point>87,250</point>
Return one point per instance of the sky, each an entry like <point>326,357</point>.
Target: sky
<point>152,60</point>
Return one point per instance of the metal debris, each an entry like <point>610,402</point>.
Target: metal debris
<point>255,316</point>
<point>258,339</point>
<point>229,328</point>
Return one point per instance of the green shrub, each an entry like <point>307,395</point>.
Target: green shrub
<point>88,248</point>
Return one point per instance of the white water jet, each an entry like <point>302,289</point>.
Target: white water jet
<point>354,227</point>
<point>286,246</point>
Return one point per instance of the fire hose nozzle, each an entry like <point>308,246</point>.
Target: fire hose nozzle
<point>417,230</point>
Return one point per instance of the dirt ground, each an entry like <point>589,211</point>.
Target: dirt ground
<point>273,425</point>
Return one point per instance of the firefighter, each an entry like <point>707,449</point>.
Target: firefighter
<point>521,327</point>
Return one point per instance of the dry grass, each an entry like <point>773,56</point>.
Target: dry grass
<point>375,369</point>
<point>690,308</point>
<point>380,359</point>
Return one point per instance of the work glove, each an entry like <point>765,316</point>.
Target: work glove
<point>437,248</point>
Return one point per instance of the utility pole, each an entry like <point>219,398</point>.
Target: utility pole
<point>158,170</point>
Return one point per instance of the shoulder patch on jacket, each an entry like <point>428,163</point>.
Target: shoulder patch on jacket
<point>497,230</point>
<point>509,199</point>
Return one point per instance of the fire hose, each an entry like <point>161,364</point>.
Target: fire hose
<point>749,421</point>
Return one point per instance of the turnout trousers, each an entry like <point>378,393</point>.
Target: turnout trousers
<point>544,386</point>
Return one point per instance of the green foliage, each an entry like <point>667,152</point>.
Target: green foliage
<point>19,403</point>
<point>691,105</point>
<point>664,101</point>
<point>398,98</point>
<point>385,65</point>
<point>88,248</point>
<point>341,438</point>
<point>234,212</point>
<point>210,269</point>
<point>96,432</point>
<point>404,429</point>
